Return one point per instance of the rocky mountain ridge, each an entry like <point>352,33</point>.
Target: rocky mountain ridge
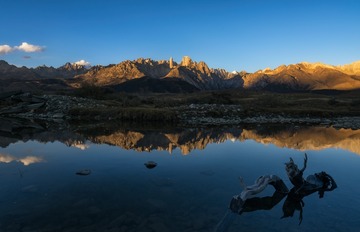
<point>67,70</point>
<point>196,73</point>
<point>303,76</point>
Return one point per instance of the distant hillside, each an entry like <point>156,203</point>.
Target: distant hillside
<point>42,78</point>
<point>8,71</point>
<point>305,77</point>
<point>68,70</point>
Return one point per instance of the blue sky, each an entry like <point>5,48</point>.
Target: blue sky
<point>231,34</point>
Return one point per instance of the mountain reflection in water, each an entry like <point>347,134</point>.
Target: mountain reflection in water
<point>140,138</point>
<point>43,191</point>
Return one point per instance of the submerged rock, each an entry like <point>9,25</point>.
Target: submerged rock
<point>83,172</point>
<point>150,164</point>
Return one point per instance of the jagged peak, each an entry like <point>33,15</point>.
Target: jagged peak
<point>186,61</point>
<point>3,62</point>
<point>201,65</point>
<point>44,67</point>
<point>268,69</point>
<point>5,66</point>
<point>73,66</point>
<point>144,60</point>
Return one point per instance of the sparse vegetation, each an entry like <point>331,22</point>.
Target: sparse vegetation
<point>355,102</point>
<point>163,107</point>
<point>90,90</point>
<point>127,114</point>
<point>332,101</point>
<point>167,107</point>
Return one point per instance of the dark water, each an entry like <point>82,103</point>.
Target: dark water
<point>189,190</point>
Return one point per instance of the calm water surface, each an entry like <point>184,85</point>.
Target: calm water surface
<point>189,190</point>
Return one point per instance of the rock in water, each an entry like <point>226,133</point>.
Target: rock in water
<point>83,172</point>
<point>150,164</point>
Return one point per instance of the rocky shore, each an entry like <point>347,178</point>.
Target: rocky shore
<point>57,107</point>
<point>215,114</point>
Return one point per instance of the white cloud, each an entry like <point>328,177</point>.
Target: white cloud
<point>82,62</point>
<point>5,49</point>
<point>25,47</point>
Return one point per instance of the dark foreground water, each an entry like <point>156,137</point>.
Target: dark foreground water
<point>189,190</point>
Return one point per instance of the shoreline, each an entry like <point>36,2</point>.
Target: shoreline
<point>71,108</point>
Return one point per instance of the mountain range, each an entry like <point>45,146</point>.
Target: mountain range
<point>186,76</point>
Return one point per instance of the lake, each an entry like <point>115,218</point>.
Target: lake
<point>190,189</point>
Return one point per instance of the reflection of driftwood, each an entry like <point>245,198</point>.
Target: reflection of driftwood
<point>318,182</point>
<point>261,183</point>
<point>247,201</point>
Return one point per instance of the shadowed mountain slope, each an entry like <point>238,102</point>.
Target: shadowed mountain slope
<point>148,84</point>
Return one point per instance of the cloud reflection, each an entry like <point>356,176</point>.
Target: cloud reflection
<point>81,146</point>
<point>27,160</point>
